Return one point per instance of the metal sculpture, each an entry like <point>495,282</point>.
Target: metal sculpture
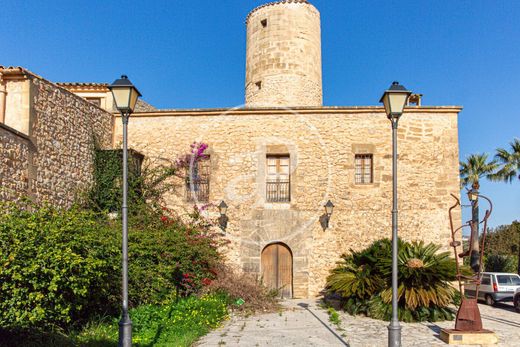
<point>468,316</point>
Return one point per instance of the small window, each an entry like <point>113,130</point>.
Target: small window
<point>264,22</point>
<point>95,101</point>
<point>258,85</point>
<point>364,169</point>
<point>278,184</point>
<point>197,181</point>
<point>486,280</point>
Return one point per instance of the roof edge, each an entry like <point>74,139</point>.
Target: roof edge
<point>294,110</point>
<point>276,3</point>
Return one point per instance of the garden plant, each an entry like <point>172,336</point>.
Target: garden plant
<point>425,293</point>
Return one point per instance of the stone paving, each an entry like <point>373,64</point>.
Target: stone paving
<point>304,323</point>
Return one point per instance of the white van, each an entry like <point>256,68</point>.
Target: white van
<point>495,287</point>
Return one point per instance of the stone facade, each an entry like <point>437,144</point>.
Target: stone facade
<point>284,116</point>
<point>283,59</point>
<point>321,143</point>
<point>48,137</point>
<point>14,161</point>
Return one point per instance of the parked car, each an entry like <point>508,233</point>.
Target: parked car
<point>495,287</point>
<point>516,300</point>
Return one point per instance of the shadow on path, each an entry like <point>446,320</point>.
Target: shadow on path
<point>306,307</point>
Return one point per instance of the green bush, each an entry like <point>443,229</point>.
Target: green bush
<point>56,267</point>
<point>501,263</point>
<point>168,257</point>
<point>171,324</point>
<point>363,279</point>
<point>59,267</point>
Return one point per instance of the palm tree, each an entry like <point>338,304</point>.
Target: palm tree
<point>509,163</point>
<point>475,167</point>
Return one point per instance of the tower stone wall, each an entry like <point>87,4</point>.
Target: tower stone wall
<point>283,59</point>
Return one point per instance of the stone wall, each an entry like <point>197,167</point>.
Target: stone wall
<point>283,57</point>
<point>322,143</point>
<point>14,161</point>
<point>63,130</point>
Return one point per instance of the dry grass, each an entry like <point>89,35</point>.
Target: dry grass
<point>240,285</point>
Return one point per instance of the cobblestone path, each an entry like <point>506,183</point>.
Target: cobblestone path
<point>304,323</point>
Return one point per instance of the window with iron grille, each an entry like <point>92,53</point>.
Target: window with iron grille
<point>278,184</point>
<point>197,181</point>
<point>364,169</point>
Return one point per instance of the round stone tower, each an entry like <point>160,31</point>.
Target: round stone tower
<point>283,59</point>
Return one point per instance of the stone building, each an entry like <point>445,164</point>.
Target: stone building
<point>279,159</point>
<point>47,138</point>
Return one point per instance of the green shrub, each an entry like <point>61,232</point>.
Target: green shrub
<point>363,279</point>
<point>501,263</point>
<point>358,275</point>
<point>56,267</point>
<point>168,256</point>
<point>59,267</point>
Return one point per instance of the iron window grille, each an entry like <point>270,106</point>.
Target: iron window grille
<point>364,171</point>
<point>278,181</point>
<point>197,181</point>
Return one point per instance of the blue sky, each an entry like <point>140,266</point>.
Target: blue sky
<point>186,54</point>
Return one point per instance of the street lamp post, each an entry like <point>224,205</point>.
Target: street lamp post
<point>125,97</point>
<point>394,99</point>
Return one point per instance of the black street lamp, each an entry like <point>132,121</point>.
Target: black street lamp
<point>329,208</point>
<point>125,97</point>
<point>223,220</point>
<point>394,99</point>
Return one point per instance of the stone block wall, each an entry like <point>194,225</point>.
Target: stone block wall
<point>322,143</point>
<point>63,130</point>
<point>283,56</point>
<point>14,161</point>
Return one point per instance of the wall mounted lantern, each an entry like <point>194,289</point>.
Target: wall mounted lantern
<point>223,220</point>
<point>329,208</point>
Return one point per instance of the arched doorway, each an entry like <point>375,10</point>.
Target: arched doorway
<point>277,267</point>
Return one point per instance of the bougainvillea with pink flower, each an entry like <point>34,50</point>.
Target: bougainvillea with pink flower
<point>197,153</point>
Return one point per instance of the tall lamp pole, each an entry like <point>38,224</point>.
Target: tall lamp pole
<point>125,97</point>
<point>394,99</point>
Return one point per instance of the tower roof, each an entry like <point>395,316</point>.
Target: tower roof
<point>276,3</point>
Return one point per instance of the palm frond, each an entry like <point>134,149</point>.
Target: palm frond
<point>509,169</point>
<point>476,167</point>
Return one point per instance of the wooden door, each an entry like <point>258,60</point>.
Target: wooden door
<point>277,269</point>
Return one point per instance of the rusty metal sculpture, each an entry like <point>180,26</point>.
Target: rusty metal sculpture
<point>468,316</point>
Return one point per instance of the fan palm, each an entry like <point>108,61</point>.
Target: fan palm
<point>509,163</point>
<point>475,167</point>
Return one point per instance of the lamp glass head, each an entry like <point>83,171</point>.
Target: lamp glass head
<point>472,195</point>
<point>329,208</point>
<point>394,99</point>
<point>125,94</point>
<point>222,207</point>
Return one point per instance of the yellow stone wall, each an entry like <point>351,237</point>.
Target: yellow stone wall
<point>322,143</point>
<point>283,59</point>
